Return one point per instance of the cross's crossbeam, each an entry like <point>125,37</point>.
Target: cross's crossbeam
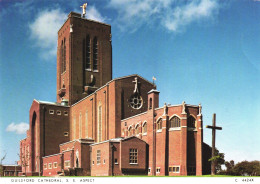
<point>214,127</point>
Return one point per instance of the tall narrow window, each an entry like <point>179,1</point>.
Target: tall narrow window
<point>88,66</point>
<point>99,123</point>
<point>191,122</point>
<point>130,131</point>
<point>86,124</point>
<point>137,130</point>
<point>98,156</point>
<point>159,125</point>
<point>95,54</point>
<point>145,128</point>
<point>150,103</point>
<point>80,125</point>
<point>175,122</point>
<point>61,57</point>
<point>74,127</point>
<point>64,55</point>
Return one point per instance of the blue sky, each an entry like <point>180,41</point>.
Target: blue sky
<point>200,51</point>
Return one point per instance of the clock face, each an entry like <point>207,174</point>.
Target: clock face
<point>136,101</point>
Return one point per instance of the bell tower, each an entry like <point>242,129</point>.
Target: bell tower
<point>84,57</point>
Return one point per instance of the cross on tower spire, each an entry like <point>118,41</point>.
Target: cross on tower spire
<point>84,6</point>
<point>154,79</point>
<point>214,128</point>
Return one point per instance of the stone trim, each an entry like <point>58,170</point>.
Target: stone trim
<point>159,131</point>
<point>52,155</point>
<point>134,116</point>
<point>174,129</point>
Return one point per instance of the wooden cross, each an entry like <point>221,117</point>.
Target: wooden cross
<point>214,128</point>
<point>154,79</point>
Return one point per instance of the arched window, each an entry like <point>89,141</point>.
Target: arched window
<point>145,127</point>
<point>64,55</point>
<point>159,125</point>
<point>61,57</point>
<point>130,131</point>
<point>191,122</point>
<point>175,122</point>
<point>95,54</point>
<point>86,52</point>
<point>137,130</point>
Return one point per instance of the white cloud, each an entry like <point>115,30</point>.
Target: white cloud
<point>44,31</point>
<point>172,14</point>
<point>194,11</point>
<point>93,14</point>
<point>20,128</point>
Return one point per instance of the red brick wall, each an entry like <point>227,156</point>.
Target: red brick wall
<point>46,132</point>
<point>175,147</point>
<point>112,110</point>
<point>55,127</point>
<point>24,153</point>
<point>124,91</point>
<point>83,154</point>
<point>76,77</point>
<point>58,159</point>
<point>68,156</point>
<point>85,157</point>
<point>133,143</point>
<point>102,169</point>
<point>199,147</point>
<point>64,77</point>
<point>111,100</point>
<point>34,117</point>
<point>116,155</point>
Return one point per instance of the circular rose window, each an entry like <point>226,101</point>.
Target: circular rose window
<point>136,101</point>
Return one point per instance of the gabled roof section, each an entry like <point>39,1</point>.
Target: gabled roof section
<point>131,137</point>
<point>119,139</point>
<point>84,141</point>
<point>136,75</point>
<point>119,78</point>
<point>110,140</point>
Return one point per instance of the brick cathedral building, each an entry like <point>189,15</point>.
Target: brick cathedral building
<point>102,126</point>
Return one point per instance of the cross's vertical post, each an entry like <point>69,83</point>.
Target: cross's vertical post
<point>214,128</point>
<point>213,168</point>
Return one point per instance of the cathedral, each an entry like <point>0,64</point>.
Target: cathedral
<point>100,126</point>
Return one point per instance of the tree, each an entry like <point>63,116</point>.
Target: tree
<point>1,167</point>
<point>218,159</point>
<point>246,168</point>
<point>2,159</point>
<point>229,167</point>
